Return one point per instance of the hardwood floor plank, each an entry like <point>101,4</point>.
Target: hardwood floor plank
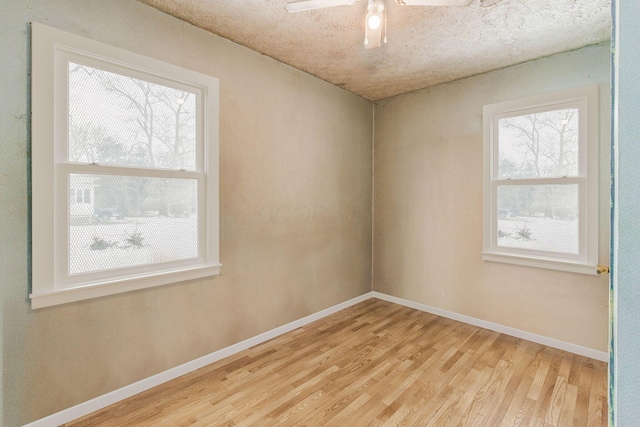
<point>583,379</point>
<point>568,406</point>
<point>598,409</point>
<point>552,416</point>
<point>546,390</point>
<point>378,364</point>
<point>524,415</point>
<point>541,366</point>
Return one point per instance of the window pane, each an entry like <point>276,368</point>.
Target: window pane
<point>539,217</point>
<point>122,121</point>
<point>131,221</point>
<point>539,145</point>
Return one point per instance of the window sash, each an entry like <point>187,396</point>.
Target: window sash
<point>65,280</point>
<point>582,218</point>
<point>65,55</point>
<point>580,105</point>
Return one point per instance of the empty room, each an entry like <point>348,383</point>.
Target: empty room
<point>319,212</point>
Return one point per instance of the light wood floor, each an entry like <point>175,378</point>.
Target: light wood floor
<point>379,364</point>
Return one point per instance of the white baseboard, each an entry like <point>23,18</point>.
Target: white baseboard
<point>110,398</point>
<point>540,339</point>
<point>115,396</point>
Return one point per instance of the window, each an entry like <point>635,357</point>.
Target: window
<point>124,170</point>
<point>541,181</point>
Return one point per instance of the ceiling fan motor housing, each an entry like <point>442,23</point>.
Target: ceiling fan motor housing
<point>375,6</point>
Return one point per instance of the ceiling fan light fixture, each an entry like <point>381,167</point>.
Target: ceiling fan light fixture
<point>374,21</point>
<point>375,24</point>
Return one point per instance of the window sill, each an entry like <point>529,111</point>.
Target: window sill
<point>539,262</point>
<point>79,293</point>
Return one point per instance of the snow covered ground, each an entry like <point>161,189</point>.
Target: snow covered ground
<point>161,239</point>
<point>546,234</point>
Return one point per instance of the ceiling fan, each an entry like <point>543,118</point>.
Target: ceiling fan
<point>376,27</point>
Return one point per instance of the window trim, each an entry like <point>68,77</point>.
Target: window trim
<point>587,259</point>
<point>51,49</point>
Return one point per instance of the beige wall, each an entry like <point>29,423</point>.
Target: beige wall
<point>296,158</point>
<point>428,205</point>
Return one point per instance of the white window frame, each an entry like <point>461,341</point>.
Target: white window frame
<point>52,49</point>
<point>585,99</point>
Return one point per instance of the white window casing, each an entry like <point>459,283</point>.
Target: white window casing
<point>536,234</point>
<point>66,192</point>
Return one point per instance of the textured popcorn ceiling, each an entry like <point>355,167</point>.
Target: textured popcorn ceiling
<point>426,45</point>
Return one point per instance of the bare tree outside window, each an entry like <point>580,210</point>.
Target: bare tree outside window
<point>154,125</point>
<point>541,145</point>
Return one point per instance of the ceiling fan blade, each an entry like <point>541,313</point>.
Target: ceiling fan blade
<point>434,2</point>
<point>489,3</point>
<point>302,5</point>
